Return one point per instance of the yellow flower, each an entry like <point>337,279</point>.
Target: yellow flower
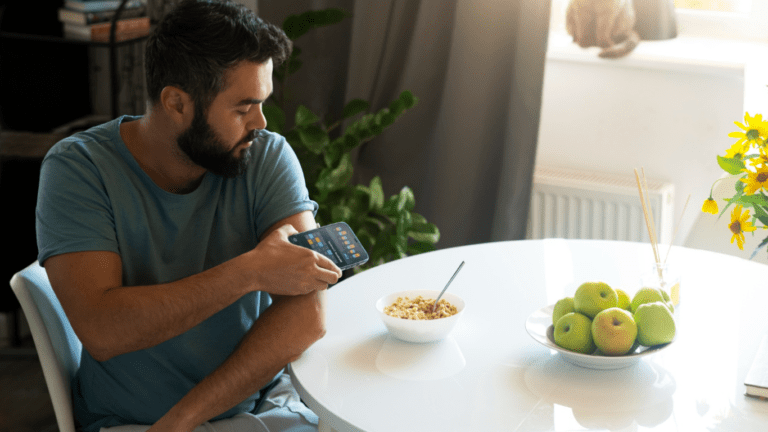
<point>756,180</point>
<point>760,161</point>
<point>710,206</point>
<point>736,151</point>
<point>754,129</point>
<point>739,225</point>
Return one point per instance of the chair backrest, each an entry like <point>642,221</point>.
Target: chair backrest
<point>57,346</point>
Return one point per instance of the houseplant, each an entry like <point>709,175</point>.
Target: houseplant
<point>747,158</point>
<point>388,228</point>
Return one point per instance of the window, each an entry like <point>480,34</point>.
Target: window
<point>718,19</point>
<point>723,19</point>
<point>739,6</point>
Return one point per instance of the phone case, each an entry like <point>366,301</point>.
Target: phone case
<point>336,241</point>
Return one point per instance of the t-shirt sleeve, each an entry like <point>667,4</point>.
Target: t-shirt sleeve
<point>281,190</point>
<point>73,210</point>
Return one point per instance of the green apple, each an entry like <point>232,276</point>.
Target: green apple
<point>646,295</point>
<point>562,307</point>
<point>624,299</point>
<point>667,300</point>
<point>614,331</point>
<point>655,324</point>
<point>573,331</point>
<point>592,297</point>
<point>665,295</point>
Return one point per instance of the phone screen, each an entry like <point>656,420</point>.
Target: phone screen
<point>336,241</point>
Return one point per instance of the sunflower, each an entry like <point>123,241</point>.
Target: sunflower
<point>739,225</point>
<point>736,151</point>
<point>756,180</point>
<point>710,206</point>
<point>754,129</point>
<point>760,161</point>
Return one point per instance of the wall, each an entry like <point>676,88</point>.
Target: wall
<point>668,107</point>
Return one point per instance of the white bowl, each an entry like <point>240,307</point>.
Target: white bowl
<point>539,326</point>
<point>420,331</point>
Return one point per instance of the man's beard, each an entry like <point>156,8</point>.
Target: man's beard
<point>203,147</point>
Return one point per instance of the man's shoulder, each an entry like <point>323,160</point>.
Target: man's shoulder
<point>272,141</point>
<point>89,143</point>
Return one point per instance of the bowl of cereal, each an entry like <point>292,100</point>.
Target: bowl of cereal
<point>408,317</point>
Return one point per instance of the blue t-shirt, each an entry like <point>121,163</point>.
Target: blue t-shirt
<point>94,196</point>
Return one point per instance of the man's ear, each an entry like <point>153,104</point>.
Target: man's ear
<point>177,104</point>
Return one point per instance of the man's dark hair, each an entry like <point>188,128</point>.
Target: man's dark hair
<point>195,43</point>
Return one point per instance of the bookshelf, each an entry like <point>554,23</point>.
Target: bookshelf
<point>21,152</point>
<point>112,42</point>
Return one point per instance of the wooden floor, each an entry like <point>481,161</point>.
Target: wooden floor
<point>25,405</point>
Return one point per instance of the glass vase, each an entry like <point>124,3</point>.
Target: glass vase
<point>665,277</point>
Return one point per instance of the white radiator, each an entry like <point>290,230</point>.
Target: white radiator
<point>574,204</point>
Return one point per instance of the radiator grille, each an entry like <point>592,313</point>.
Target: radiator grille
<point>567,203</point>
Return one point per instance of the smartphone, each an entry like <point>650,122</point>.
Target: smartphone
<point>336,241</point>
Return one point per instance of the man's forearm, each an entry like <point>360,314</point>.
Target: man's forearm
<point>139,317</point>
<point>278,337</point>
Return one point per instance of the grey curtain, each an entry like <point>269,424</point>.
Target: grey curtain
<point>467,149</point>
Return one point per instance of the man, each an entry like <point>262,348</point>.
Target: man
<point>165,239</point>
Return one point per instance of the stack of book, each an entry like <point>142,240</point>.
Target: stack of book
<point>92,19</point>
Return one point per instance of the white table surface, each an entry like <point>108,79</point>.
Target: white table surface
<point>490,375</point>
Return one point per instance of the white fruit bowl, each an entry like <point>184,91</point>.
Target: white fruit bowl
<point>420,331</point>
<point>539,326</point>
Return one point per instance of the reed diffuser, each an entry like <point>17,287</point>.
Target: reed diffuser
<point>661,275</point>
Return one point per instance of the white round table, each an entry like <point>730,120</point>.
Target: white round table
<point>490,375</point>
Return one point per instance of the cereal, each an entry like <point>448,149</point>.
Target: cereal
<point>419,309</point>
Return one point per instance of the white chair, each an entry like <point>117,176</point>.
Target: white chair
<point>57,345</point>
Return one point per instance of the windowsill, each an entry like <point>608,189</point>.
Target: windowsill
<point>738,58</point>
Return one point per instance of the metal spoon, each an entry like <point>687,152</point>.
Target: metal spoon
<point>434,306</point>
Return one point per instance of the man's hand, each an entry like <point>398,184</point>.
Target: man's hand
<point>287,269</point>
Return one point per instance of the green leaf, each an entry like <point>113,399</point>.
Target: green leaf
<point>396,107</point>
<point>329,16</point>
<point>755,200</point>
<point>298,25</point>
<point>375,222</point>
<point>384,118</point>
<point>354,107</point>
<point>734,200</point>
<point>305,117</point>
<point>408,99</point>
<point>333,179</point>
<point>730,165</point>
<point>761,213</point>
<point>341,213</point>
<point>405,199</point>
<point>403,223</point>
<point>293,138</point>
<point>417,218</point>
<point>364,133</point>
<point>390,207</point>
<point>360,200</point>
<point>334,152</point>
<point>740,185</point>
<point>377,194</point>
<point>350,142</point>
<point>424,232</point>
<point>420,247</point>
<point>399,245</point>
<point>275,118</point>
<point>376,130</point>
<point>315,139</point>
<point>366,239</point>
